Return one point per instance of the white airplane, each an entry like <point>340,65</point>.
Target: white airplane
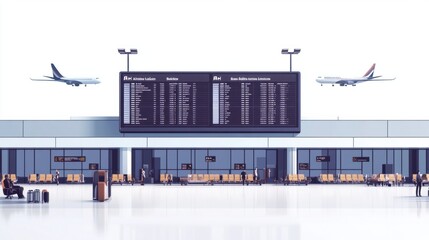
<point>57,77</point>
<point>369,76</point>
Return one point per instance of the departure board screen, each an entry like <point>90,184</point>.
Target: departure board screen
<point>210,102</point>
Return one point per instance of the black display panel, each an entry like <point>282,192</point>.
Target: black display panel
<point>360,159</point>
<point>186,166</point>
<point>323,158</point>
<point>303,166</point>
<point>210,102</point>
<point>210,158</point>
<point>93,166</point>
<point>239,166</point>
<point>69,159</point>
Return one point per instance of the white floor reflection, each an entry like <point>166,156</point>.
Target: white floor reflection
<point>219,212</point>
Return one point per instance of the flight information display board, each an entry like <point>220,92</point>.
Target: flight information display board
<point>210,102</point>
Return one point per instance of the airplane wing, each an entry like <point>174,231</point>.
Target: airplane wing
<point>42,79</point>
<point>382,79</point>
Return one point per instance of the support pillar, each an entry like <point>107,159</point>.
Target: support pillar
<point>125,160</point>
<point>292,161</point>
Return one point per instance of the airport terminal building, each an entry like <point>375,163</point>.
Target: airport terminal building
<point>32,146</point>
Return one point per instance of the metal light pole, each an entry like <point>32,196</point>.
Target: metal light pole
<point>132,51</point>
<point>294,51</point>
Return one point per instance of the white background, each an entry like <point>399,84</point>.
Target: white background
<point>338,38</point>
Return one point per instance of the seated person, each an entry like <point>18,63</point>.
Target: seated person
<point>15,189</point>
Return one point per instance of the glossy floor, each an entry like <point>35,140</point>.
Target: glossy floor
<point>219,212</point>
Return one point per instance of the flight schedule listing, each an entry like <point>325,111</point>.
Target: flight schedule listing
<point>210,101</point>
<point>258,99</point>
<point>166,100</point>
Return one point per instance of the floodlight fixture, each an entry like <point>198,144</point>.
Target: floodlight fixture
<point>291,52</point>
<point>131,51</point>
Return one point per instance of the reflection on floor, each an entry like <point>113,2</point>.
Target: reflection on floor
<point>219,212</point>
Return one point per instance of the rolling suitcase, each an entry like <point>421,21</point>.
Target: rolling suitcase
<point>30,196</point>
<point>36,196</point>
<point>45,196</point>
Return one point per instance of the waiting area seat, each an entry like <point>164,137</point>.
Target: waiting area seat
<point>42,178</point>
<point>49,178</point>
<point>69,178</point>
<point>167,178</point>
<point>296,179</point>
<point>32,178</point>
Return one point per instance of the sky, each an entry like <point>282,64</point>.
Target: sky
<point>337,38</point>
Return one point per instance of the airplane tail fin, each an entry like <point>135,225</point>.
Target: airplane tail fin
<point>56,74</point>
<point>370,72</point>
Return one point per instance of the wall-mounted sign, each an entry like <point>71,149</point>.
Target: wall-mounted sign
<point>360,159</point>
<point>239,166</point>
<point>303,166</point>
<point>210,158</point>
<point>323,158</point>
<point>186,166</point>
<point>93,166</point>
<point>69,159</point>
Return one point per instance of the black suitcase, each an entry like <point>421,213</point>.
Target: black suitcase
<point>45,196</point>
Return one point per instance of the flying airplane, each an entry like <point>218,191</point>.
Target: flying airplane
<point>369,76</point>
<point>57,77</point>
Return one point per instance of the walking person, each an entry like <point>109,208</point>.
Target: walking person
<point>143,175</point>
<point>255,175</point>
<point>243,176</point>
<point>418,185</point>
<point>57,176</point>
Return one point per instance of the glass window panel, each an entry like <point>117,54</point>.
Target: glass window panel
<point>171,159</point>
<point>390,158</point>
<point>347,159</point>
<point>313,173</point>
<point>398,161</point>
<point>104,159</point>
<point>92,156</point>
<point>260,158</point>
<point>379,159</point>
<point>71,172</point>
<point>43,163</point>
<point>160,154</point>
<point>248,158</point>
<point>222,159</point>
<point>57,165</point>
<point>184,173</point>
<point>271,160</point>
<point>367,166</point>
<point>5,161</point>
<point>73,165</point>
<point>29,162</point>
<point>405,163</point>
<point>184,156</point>
<point>303,156</point>
<point>422,161</point>
<point>88,173</point>
<point>20,170</point>
<point>200,159</point>
<point>312,159</point>
<point>237,156</point>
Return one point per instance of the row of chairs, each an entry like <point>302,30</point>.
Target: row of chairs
<point>218,178</point>
<point>40,178</point>
<point>386,179</point>
<point>166,178</point>
<point>121,178</point>
<point>12,177</point>
<point>75,178</point>
<point>342,178</point>
<point>296,179</point>
<point>425,178</point>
